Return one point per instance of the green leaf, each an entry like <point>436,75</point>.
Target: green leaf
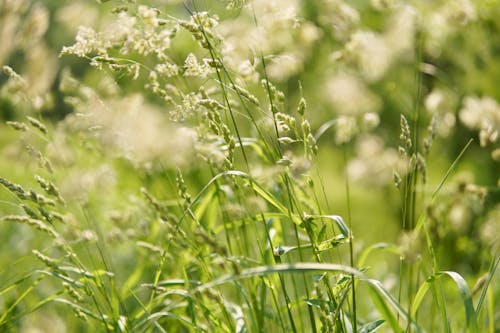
<point>280,268</point>
<point>383,298</point>
<point>330,243</point>
<point>321,247</point>
<point>339,221</point>
<point>383,307</point>
<point>463,289</point>
<point>264,194</point>
<point>378,246</point>
<point>371,327</point>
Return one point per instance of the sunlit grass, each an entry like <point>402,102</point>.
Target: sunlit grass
<point>273,165</point>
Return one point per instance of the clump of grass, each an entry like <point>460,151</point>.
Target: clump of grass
<point>202,201</point>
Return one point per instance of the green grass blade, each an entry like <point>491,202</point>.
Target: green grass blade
<point>419,296</point>
<point>385,311</point>
<point>463,289</point>
<point>371,327</point>
<point>204,204</point>
<point>15,283</point>
<point>271,199</point>
<point>378,246</point>
<point>491,274</point>
<point>325,245</point>
<point>451,168</point>
<point>18,300</point>
<point>339,221</point>
<point>387,299</point>
<point>280,268</point>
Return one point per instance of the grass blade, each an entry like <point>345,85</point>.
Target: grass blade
<point>463,288</point>
<point>451,168</point>
<point>371,327</point>
<point>280,268</point>
<point>339,221</point>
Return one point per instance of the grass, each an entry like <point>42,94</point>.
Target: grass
<point>247,210</point>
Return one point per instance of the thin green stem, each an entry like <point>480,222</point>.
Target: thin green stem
<point>351,250</point>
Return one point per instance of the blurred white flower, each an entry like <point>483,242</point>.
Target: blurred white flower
<point>495,155</point>
<point>37,22</point>
<point>441,103</point>
<point>370,120</point>
<point>350,96</point>
<point>132,129</point>
<point>459,217</point>
<point>482,114</point>
<point>79,182</point>
<point>461,11</point>
<point>122,27</point>
<point>383,4</point>
<point>401,31</point>
<point>283,66</point>
<point>445,21</point>
<point>279,34</point>
<point>490,230</point>
<point>247,70</point>
<point>371,52</point>
<point>374,164</point>
<point>346,128</point>
<point>375,52</point>
<point>77,14</point>
<point>342,18</point>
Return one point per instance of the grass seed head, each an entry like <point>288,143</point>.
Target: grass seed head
<point>37,224</point>
<point>37,124</point>
<point>405,136</point>
<point>49,262</point>
<point>14,188</point>
<point>18,126</point>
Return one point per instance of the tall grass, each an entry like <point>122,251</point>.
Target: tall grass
<point>195,187</point>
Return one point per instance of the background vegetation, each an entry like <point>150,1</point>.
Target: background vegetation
<point>245,166</point>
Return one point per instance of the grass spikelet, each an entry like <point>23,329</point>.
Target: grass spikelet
<point>157,205</point>
<point>40,199</point>
<point>211,104</point>
<point>18,126</point>
<point>50,188</point>
<point>150,247</point>
<point>38,125</point>
<point>49,262</point>
<point>182,190</point>
<point>43,161</point>
<point>405,136</point>
<point>30,212</point>
<point>246,94</point>
<point>14,188</point>
<point>37,224</point>
<point>73,293</point>
<point>19,82</point>
<point>431,135</point>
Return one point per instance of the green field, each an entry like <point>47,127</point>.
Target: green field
<point>249,166</point>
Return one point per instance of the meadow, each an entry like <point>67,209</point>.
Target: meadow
<point>249,166</point>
